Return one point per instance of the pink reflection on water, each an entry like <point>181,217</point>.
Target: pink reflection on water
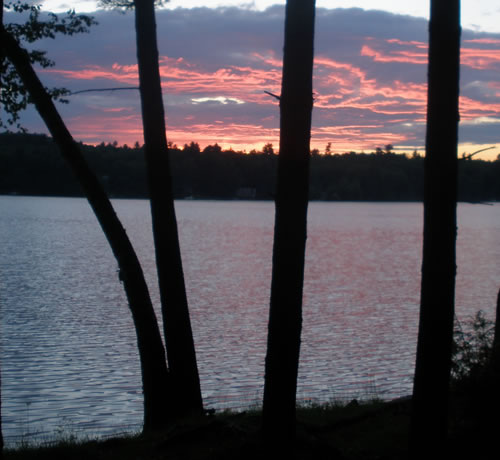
<point>63,299</point>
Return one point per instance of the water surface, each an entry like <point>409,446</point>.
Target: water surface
<point>69,359</point>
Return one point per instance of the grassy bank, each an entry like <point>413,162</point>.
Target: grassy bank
<point>354,431</point>
<point>368,431</point>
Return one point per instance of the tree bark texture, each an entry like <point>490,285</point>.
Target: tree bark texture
<point>179,342</point>
<point>433,360</point>
<point>151,351</point>
<point>290,231</point>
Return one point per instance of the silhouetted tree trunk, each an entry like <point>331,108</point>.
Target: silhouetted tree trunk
<point>1,433</point>
<point>177,326</point>
<point>433,361</point>
<point>290,231</point>
<point>496,337</point>
<point>2,54</point>
<point>151,351</point>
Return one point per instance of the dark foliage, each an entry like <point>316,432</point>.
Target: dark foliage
<point>35,27</point>
<point>31,165</point>
<point>472,347</point>
<point>475,400</point>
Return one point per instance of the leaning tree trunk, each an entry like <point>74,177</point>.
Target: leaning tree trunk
<point>176,323</point>
<point>152,354</point>
<point>285,317</point>
<point>433,361</point>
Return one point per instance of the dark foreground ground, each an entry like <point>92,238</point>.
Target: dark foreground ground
<point>368,431</point>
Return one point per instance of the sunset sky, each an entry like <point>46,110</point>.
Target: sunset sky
<point>217,61</point>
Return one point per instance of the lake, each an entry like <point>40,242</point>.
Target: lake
<point>69,361</point>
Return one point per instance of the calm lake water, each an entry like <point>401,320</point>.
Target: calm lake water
<point>68,353</point>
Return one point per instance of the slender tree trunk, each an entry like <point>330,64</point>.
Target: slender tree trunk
<point>433,361</point>
<point>151,351</point>
<point>2,57</point>
<point>496,337</point>
<point>176,322</point>
<point>290,231</point>
<point>1,433</point>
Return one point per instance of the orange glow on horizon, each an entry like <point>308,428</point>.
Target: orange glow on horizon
<point>245,138</point>
<point>337,146</point>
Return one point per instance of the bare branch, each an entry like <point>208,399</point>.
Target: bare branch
<point>273,95</point>
<point>102,89</point>
<point>468,157</point>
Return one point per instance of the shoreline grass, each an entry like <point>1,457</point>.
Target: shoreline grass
<point>331,430</point>
<point>354,431</point>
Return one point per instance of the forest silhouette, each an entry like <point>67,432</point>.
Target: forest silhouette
<point>32,165</point>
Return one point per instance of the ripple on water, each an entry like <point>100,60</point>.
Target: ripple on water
<point>69,359</point>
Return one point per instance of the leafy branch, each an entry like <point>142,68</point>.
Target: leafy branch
<point>472,345</point>
<point>37,25</point>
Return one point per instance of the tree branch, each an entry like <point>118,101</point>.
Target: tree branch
<point>468,157</point>
<point>273,95</point>
<point>102,89</point>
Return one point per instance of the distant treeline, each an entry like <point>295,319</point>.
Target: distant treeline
<point>32,165</point>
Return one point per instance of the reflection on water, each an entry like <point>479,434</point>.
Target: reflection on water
<point>69,359</point>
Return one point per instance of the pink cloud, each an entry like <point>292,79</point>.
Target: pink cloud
<point>345,137</point>
<point>415,52</point>
<point>181,77</point>
<point>481,59</point>
<point>116,73</point>
<point>471,108</point>
<point>363,85</point>
<point>245,83</point>
<point>484,41</point>
<point>413,43</point>
<point>395,50</point>
<point>108,127</point>
<point>343,85</point>
<point>407,57</point>
<point>114,109</point>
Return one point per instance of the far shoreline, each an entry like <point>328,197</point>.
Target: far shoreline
<point>15,194</point>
